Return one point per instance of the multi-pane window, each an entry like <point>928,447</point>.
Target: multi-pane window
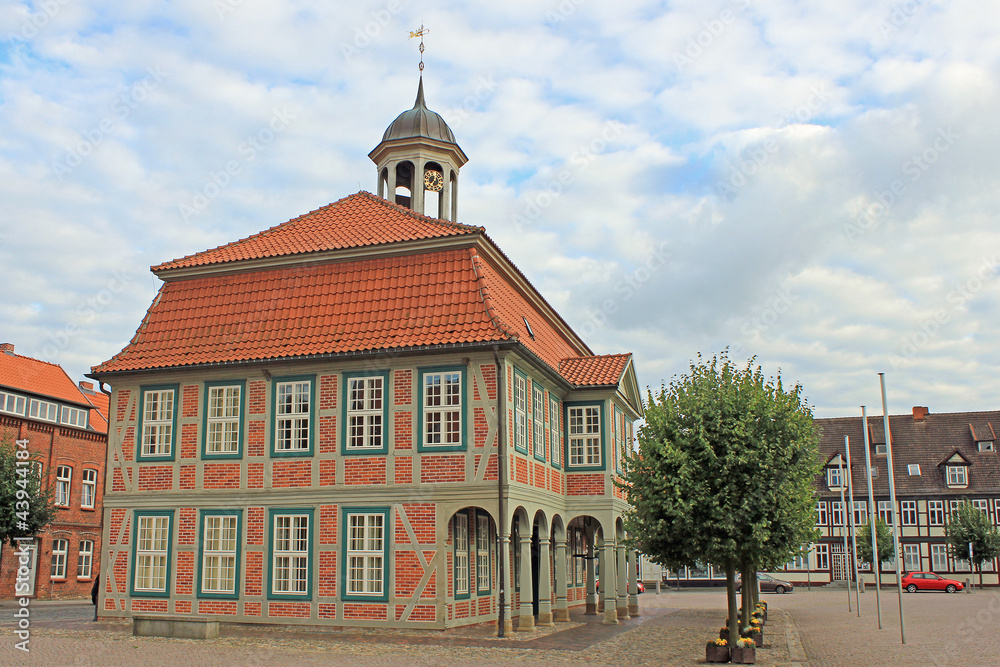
<point>59,548</point>
<point>584,435</point>
<point>835,477</point>
<point>292,414</point>
<point>798,563</point>
<point>911,557</point>
<point>578,557</point>
<point>43,410</point>
<point>290,554</point>
<point>953,507</point>
<point>962,565</point>
<point>908,512</point>
<point>365,412</point>
<point>151,553</point>
<point>935,512</point>
<point>74,417</point>
<point>623,445</point>
<point>822,552</point>
<point>443,409</point>
<point>461,533</point>
<point>837,513</point>
<point>996,506</point>
<point>860,512</point>
<point>88,496</point>
<point>885,511</point>
<point>555,437</point>
<point>520,413</point>
<point>939,557</point>
<point>982,505</point>
<point>365,554</point>
<point>85,559</point>
<point>64,475</point>
<point>821,517</point>
<point>482,552</point>
<point>223,419</point>
<point>538,418</point>
<point>12,403</point>
<point>157,422</point>
<point>957,476</point>
<point>218,553</point>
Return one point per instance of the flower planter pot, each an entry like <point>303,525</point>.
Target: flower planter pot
<point>724,634</point>
<point>716,653</point>
<point>744,656</point>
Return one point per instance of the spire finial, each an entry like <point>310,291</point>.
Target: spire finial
<point>420,33</point>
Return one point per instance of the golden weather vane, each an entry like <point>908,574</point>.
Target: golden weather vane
<point>420,33</point>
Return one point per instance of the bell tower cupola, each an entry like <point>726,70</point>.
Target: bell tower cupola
<point>418,159</point>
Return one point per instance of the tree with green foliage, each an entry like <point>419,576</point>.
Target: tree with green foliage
<point>971,524</point>
<point>724,474</point>
<point>26,504</point>
<point>883,537</point>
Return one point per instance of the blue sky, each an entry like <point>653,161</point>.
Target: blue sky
<point>812,183</point>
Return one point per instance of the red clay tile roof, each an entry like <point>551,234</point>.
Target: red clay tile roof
<point>361,219</point>
<point>367,304</point>
<point>99,413</point>
<point>38,377</point>
<point>598,370</point>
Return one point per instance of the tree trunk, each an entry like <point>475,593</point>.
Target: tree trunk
<point>756,590</point>
<point>980,575</point>
<point>747,577</point>
<point>734,624</point>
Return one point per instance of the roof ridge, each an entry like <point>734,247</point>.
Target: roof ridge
<point>484,294</point>
<point>598,356</point>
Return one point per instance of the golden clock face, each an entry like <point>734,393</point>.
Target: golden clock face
<point>433,180</point>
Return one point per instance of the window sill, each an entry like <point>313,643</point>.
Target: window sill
<point>85,579</point>
<point>58,580</point>
<point>88,509</point>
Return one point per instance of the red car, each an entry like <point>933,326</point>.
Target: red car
<point>928,581</point>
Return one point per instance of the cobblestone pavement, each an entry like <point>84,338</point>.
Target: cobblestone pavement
<point>942,629</point>
<point>667,634</point>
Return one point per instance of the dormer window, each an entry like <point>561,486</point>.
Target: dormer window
<point>835,478</point>
<point>985,445</point>
<point>957,476</point>
<point>881,449</point>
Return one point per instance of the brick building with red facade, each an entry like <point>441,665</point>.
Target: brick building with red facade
<point>65,424</point>
<point>366,416</point>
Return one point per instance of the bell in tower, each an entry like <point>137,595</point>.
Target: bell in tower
<point>418,162</point>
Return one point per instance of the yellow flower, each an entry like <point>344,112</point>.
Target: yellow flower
<point>720,642</point>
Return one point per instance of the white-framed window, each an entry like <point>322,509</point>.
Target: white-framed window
<point>985,446</point>
<point>962,565</point>
<point>939,557</point>
<point>13,403</point>
<point>292,415</point>
<point>483,542</point>
<point>365,411</point>
<point>443,409</point>
<point>157,422</point>
<point>957,476</point>
<point>64,477</point>
<point>881,449</point>
<point>88,495</point>
<point>835,478</point>
<point>584,435</point>
<point>822,553</point>
<point>996,506</point>
<point>860,512</point>
<point>821,516</point>
<point>218,554</point>
<point>460,531</point>
<point>85,559</point>
<point>935,512</point>
<point>366,554</point>
<point>913,469</point>
<point>520,412</point>
<point>59,549</point>
<point>885,511</point>
<point>798,563</point>
<point>538,418</point>
<point>953,506</point>
<point>74,417</point>
<point>908,512</point>
<point>623,445</point>
<point>982,505</point>
<point>151,553</point>
<point>43,410</point>
<point>837,513</point>
<point>290,554</point>
<point>911,557</point>
<point>555,437</point>
<point>223,419</point>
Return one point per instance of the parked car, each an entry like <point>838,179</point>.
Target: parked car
<point>769,584</point>
<point>928,581</point>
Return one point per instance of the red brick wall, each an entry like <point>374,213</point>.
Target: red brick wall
<point>403,423</point>
<point>291,473</point>
<point>403,387</point>
<point>365,470</point>
<point>585,484</point>
<point>222,475</point>
<point>156,478</point>
<point>371,612</point>
<point>79,450</point>
<point>436,468</point>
